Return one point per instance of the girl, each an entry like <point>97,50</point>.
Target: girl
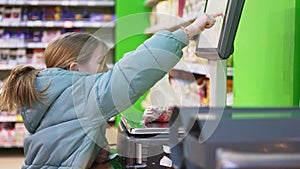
<point>65,106</point>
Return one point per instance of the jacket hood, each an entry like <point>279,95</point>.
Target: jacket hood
<point>59,80</point>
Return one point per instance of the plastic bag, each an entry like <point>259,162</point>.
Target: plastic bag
<point>162,100</point>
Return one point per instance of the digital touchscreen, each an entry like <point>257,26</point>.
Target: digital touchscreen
<point>217,42</point>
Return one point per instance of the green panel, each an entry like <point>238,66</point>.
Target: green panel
<point>297,55</point>
<point>262,115</point>
<point>264,67</point>
<point>132,21</point>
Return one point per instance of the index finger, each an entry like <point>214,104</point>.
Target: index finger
<point>217,15</point>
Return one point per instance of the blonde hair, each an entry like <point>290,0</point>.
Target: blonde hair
<point>71,47</point>
<point>19,89</point>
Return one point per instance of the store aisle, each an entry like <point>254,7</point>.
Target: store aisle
<point>13,158</point>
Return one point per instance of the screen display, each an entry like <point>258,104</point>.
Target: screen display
<point>218,42</point>
<point>210,37</point>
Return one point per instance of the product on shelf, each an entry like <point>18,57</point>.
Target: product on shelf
<point>21,56</point>
<point>161,13</point>
<point>192,93</point>
<point>34,14</point>
<point>37,57</point>
<point>16,13</point>
<point>96,17</point>
<point>14,57</point>
<point>4,56</point>
<point>72,30</point>
<point>190,56</point>
<point>12,134</point>
<point>192,7</point>
<point>52,13</point>
<point>1,12</point>
<point>171,11</point>
<point>15,39</point>
<point>49,35</point>
<point>36,36</point>
<point>12,38</point>
<point>7,14</point>
<point>100,17</point>
<point>12,60</point>
<point>10,15</point>
<point>229,97</point>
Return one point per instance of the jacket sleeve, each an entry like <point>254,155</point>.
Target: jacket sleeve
<point>138,71</point>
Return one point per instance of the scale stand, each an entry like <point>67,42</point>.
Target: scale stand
<point>218,83</point>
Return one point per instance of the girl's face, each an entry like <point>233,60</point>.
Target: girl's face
<point>95,65</point>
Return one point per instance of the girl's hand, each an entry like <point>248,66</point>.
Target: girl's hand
<point>203,21</point>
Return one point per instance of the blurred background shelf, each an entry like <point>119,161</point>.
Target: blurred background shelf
<point>179,22</point>
<point>151,3</point>
<point>14,118</point>
<point>104,3</point>
<point>63,24</point>
<point>201,69</point>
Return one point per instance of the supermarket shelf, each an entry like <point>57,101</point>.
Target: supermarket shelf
<point>170,26</point>
<point>104,3</point>
<point>64,24</point>
<point>33,45</point>
<point>16,118</point>
<point>151,3</point>
<point>10,67</point>
<point>29,45</point>
<point>197,68</point>
<point>229,71</point>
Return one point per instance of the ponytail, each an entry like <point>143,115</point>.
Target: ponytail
<point>19,89</point>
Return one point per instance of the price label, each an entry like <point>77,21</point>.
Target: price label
<point>68,24</point>
<point>49,24</point>
<point>39,45</point>
<point>8,118</point>
<point>33,2</point>
<point>79,24</point>
<point>5,23</point>
<point>95,24</point>
<point>15,23</point>
<point>30,45</point>
<point>74,3</point>
<point>20,2</point>
<point>34,23</point>
<point>20,45</point>
<point>91,3</point>
<point>65,3</point>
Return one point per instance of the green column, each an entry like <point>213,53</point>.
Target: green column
<point>297,54</point>
<point>132,21</point>
<point>266,59</point>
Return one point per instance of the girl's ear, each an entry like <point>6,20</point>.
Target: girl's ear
<point>74,66</point>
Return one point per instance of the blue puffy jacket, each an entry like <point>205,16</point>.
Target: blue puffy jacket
<point>68,129</point>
